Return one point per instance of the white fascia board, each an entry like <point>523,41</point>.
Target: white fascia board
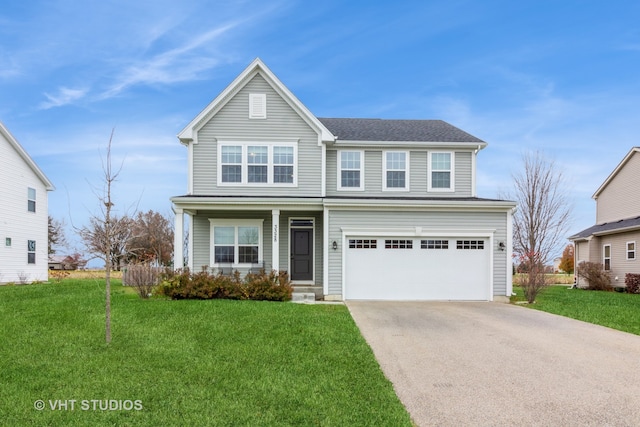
<point>246,203</point>
<point>384,204</point>
<point>26,157</point>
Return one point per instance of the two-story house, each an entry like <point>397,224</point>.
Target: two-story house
<point>23,214</point>
<point>613,241</point>
<point>354,208</point>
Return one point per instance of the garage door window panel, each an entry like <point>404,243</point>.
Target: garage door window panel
<point>434,244</point>
<point>363,244</point>
<point>398,244</point>
<point>470,244</point>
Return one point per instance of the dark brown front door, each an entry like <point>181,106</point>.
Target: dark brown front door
<point>301,254</point>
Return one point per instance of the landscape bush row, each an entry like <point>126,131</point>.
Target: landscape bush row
<point>265,286</point>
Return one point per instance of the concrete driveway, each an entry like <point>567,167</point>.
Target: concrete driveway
<point>492,364</point>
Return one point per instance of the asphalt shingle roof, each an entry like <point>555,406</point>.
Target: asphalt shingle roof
<point>608,227</point>
<point>396,130</point>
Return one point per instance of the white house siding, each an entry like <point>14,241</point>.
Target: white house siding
<point>16,222</point>
<point>202,237</point>
<point>418,174</point>
<point>620,199</point>
<point>282,124</point>
<point>427,219</point>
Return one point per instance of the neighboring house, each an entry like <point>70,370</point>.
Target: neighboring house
<point>66,262</point>
<point>351,208</point>
<point>613,241</point>
<point>23,214</point>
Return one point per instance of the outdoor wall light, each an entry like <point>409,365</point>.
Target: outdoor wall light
<point>501,246</point>
<point>334,245</point>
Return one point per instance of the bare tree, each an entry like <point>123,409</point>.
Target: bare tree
<point>541,220</point>
<point>56,235</point>
<point>152,239</point>
<point>95,234</point>
<point>106,231</point>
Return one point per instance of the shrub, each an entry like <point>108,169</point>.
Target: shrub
<point>633,283</point>
<point>597,277</point>
<point>142,277</point>
<point>182,284</point>
<point>59,275</point>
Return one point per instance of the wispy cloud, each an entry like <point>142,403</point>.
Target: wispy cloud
<point>64,96</point>
<point>175,65</point>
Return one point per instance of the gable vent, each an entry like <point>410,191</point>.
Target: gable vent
<point>257,106</point>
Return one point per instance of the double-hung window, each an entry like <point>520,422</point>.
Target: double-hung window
<point>395,170</point>
<point>606,257</point>
<point>235,242</point>
<point>257,164</point>
<point>350,170</point>
<point>31,251</point>
<point>31,199</point>
<point>631,250</point>
<point>441,171</point>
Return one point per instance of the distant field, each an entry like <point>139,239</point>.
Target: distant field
<point>93,274</point>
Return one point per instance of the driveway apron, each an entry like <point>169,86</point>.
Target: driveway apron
<point>493,364</point>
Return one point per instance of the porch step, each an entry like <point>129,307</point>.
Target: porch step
<point>303,297</point>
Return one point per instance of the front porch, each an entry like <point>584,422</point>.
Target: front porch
<point>243,238</point>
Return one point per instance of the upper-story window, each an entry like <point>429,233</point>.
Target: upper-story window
<point>441,171</point>
<point>31,199</point>
<point>395,170</point>
<point>256,164</point>
<point>350,170</point>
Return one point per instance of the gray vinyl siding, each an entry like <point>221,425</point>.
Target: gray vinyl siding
<point>418,175</point>
<point>202,237</point>
<point>426,220</point>
<point>620,265</point>
<point>232,123</point>
<point>620,199</point>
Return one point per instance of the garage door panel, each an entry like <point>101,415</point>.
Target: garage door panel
<point>394,272</point>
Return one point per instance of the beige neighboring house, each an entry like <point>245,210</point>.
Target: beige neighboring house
<point>613,241</point>
<point>23,214</point>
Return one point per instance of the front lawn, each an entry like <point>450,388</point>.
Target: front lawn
<point>612,309</point>
<point>183,362</point>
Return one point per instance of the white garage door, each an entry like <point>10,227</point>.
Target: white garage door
<point>382,268</point>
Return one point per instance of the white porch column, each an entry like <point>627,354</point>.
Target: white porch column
<point>275,239</point>
<point>178,255</point>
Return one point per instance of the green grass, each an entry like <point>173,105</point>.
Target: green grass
<point>612,309</point>
<point>186,362</point>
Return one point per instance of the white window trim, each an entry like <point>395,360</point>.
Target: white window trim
<point>604,257</point>
<point>244,182</point>
<point>34,200</point>
<point>385,170</point>
<point>215,222</point>
<point>452,171</point>
<point>339,169</point>
<point>635,254</point>
<point>257,106</point>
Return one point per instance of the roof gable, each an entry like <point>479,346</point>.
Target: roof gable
<point>25,156</point>
<point>256,67</point>
<point>615,172</point>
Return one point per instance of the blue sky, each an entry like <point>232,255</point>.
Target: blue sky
<point>559,77</point>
